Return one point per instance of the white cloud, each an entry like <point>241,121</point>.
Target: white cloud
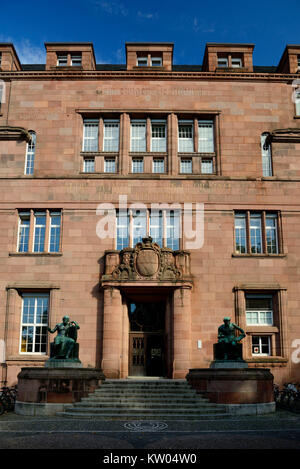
<point>27,52</point>
<point>112,8</point>
<point>147,16</point>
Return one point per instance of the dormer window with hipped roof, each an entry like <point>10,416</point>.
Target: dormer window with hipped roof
<point>228,57</point>
<point>70,56</point>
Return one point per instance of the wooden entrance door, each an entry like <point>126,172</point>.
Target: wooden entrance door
<point>137,353</point>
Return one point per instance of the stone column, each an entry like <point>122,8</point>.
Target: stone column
<point>112,332</point>
<point>181,331</point>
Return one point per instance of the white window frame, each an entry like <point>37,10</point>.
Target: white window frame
<point>161,220</point>
<point>30,154</point>
<point>76,59</point>
<point>241,228</point>
<point>156,59</point>
<point>87,164</point>
<point>258,233</point>
<point>137,165</point>
<point>225,62</point>
<point>260,345</point>
<point>21,227</point>
<point>236,62</point>
<point>266,157</point>
<point>186,144</point>
<point>158,165</point>
<point>260,311</point>
<point>89,136</point>
<point>110,164</point>
<point>207,166</point>
<point>33,324</point>
<point>111,135</point>
<point>62,60</point>
<point>138,139</point>
<point>297,102</point>
<point>186,163</point>
<point>206,137</point>
<point>159,144</point>
<point>273,229</point>
<point>140,61</point>
<point>39,227</point>
<point>53,226</point>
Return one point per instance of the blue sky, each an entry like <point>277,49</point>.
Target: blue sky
<point>270,25</point>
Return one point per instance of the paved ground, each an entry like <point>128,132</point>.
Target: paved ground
<point>277,431</point>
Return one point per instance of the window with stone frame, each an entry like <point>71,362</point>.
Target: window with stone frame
<point>39,231</point>
<point>34,323</point>
<point>30,154</point>
<point>260,313</point>
<point>164,226</point>
<point>257,232</point>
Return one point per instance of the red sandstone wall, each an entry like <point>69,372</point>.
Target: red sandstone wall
<point>247,110</point>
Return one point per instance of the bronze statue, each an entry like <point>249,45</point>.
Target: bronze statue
<point>66,338</point>
<point>228,347</point>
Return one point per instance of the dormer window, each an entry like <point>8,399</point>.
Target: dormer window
<point>76,60</point>
<point>62,60</point>
<point>156,61</point>
<point>223,62</point>
<point>236,62</point>
<point>142,61</point>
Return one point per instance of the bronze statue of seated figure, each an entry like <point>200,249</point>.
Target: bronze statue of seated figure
<point>228,346</point>
<point>64,346</point>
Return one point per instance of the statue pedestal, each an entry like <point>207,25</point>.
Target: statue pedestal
<point>45,391</point>
<point>233,364</point>
<point>244,391</point>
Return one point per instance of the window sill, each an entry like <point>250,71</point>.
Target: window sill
<point>263,255</point>
<point>263,329</point>
<point>28,357</point>
<point>267,360</point>
<point>198,153</point>
<point>87,154</point>
<point>36,254</point>
<point>147,153</point>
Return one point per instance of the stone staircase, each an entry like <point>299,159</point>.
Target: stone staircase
<point>137,399</point>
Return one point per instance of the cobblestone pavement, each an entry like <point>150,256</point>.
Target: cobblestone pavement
<point>280,430</point>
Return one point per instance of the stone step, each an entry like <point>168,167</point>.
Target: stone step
<point>130,399</point>
<point>153,416</point>
<point>144,405</point>
<point>143,411</point>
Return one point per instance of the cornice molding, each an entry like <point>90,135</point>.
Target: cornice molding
<point>8,132</point>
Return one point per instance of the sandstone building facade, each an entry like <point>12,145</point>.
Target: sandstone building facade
<point>87,147</point>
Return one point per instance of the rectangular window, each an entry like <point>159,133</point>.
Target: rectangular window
<point>158,165</point>
<point>259,310</point>
<point>236,62</point>
<point>185,137</point>
<point>34,323</point>
<point>164,226</point>
<point>109,165</point>
<point>256,233</point>
<point>76,60</point>
<point>156,61</point>
<point>54,236</point>
<point>30,154</point>
<point>90,135</point>
<point>24,229</point>
<point>206,136</point>
<point>39,231</point>
<point>139,225</point>
<point>46,231</point>
<point>206,166</point>
<point>186,165</point>
<point>298,61</point>
<point>111,135</point>
<point>142,61</point>
<point>138,136</point>
<point>89,165</point>
<point>261,345</point>
<point>62,60</point>
<point>222,62</point>
<point>271,234</point>
<point>137,165</point>
<point>240,233</point>
<point>122,229</point>
<point>158,136</point>
<point>266,157</point>
<point>156,227</point>
<point>297,102</point>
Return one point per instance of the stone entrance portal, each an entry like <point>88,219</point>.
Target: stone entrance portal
<point>147,298</point>
<point>147,350</point>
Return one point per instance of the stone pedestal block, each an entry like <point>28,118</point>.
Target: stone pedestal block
<point>233,386</point>
<point>44,391</point>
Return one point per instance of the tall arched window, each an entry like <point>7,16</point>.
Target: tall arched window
<point>30,153</point>
<point>266,156</point>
